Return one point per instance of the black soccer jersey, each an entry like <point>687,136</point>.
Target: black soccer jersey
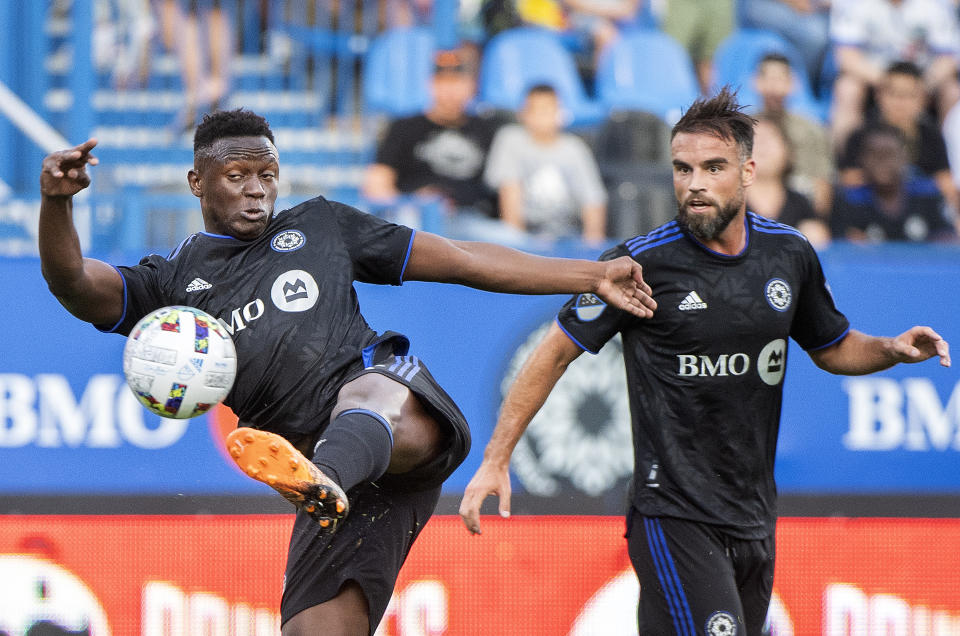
<point>705,374</point>
<point>286,297</point>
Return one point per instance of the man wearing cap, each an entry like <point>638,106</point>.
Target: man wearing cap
<point>442,151</point>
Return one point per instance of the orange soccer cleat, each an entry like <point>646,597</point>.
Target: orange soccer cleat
<point>270,458</point>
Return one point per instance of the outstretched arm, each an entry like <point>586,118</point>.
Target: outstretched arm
<point>90,289</point>
<point>527,394</point>
<point>859,354</point>
<point>501,269</point>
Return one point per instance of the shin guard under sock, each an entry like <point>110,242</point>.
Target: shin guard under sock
<point>355,448</point>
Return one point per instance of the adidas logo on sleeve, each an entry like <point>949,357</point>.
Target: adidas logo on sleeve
<point>198,284</point>
<point>691,302</point>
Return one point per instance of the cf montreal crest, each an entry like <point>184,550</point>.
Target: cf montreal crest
<point>778,294</point>
<point>288,241</point>
<point>721,624</point>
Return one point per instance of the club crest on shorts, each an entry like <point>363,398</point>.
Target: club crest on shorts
<point>589,307</point>
<point>721,624</point>
<point>778,294</point>
<point>288,241</point>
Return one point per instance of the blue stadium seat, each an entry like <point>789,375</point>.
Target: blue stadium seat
<point>736,59</point>
<point>397,70</point>
<point>517,59</point>
<point>647,70</point>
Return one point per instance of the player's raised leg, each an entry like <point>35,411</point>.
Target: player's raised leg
<point>378,426</point>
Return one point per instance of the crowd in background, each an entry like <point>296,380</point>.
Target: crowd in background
<point>876,166</point>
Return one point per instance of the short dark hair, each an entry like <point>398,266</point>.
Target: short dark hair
<point>542,89</point>
<point>881,129</point>
<point>773,56</point>
<point>230,123</point>
<point>722,116</point>
<point>903,67</point>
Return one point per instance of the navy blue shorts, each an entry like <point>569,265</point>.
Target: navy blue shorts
<point>696,579</point>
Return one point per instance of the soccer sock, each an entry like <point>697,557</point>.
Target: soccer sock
<point>355,448</point>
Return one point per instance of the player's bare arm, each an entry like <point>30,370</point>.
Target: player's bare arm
<point>537,377</point>
<point>501,269</point>
<point>90,289</point>
<point>859,353</point>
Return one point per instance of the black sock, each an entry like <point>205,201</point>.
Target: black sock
<point>355,448</point>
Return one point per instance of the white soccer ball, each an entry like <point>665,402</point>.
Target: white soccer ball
<point>179,361</point>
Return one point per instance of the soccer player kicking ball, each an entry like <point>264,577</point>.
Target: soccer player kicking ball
<point>342,421</point>
<point>705,381</point>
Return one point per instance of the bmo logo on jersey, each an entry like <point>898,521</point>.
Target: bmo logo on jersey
<point>295,290</point>
<point>292,291</point>
<point>771,364</point>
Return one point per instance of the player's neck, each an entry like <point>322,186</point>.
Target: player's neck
<point>733,239</point>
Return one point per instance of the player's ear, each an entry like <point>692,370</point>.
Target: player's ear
<point>747,172</point>
<point>193,178</point>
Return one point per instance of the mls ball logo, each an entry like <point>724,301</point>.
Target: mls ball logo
<point>288,241</point>
<point>294,291</point>
<point>589,307</point>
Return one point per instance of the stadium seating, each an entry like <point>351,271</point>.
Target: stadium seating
<point>736,59</point>
<point>646,70</point>
<point>517,59</point>
<point>397,72</point>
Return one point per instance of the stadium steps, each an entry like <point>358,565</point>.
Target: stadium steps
<point>138,132</point>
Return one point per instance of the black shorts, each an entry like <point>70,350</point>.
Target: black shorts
<point>696,579</point>
<point>386,516</point>
<point>388,356</point>
<point>369,547</point>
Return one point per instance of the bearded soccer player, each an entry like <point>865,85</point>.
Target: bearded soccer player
<point>705,381</point>
<point>314,380</point>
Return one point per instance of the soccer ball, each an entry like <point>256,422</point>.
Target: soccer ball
<point>179,361</point>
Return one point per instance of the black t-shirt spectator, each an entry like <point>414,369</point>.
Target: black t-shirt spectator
<point>920,218</point>
<point>796,208</point>
<point>449,159</point>
<point>927,151</point>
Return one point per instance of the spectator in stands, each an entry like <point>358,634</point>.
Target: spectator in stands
<point>200,33</point>
<point>893,204</point>
<point>409,13</point>
<point>442,152</point>
<point>770,195</point>
<point>601,21</point>
<point>901,102</point>
<point>869,35</point>
<point>951,134</point>
<point>813,166</point>
<point>123,31</point>
<point>547,180</point>
<point>803,23</point>
<point>700,26</point>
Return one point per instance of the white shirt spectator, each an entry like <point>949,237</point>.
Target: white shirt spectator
<point>911,30</point>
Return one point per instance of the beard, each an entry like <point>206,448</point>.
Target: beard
<point>707,227</point>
